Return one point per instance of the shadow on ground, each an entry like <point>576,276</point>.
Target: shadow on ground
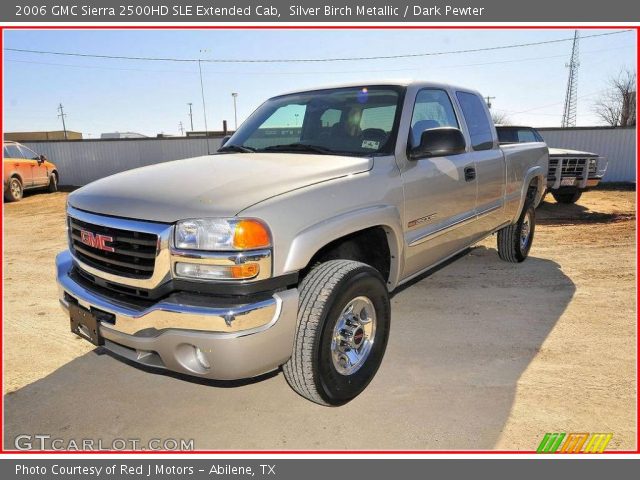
<point>460,340</point>
<point>574,213</point>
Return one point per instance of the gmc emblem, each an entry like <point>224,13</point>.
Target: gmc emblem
<point>96,241</point>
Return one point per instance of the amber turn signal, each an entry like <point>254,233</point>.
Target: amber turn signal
<point>247,270</point>
<point>250,234</point>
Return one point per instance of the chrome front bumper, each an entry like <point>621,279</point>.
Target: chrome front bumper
<point>239,341</point>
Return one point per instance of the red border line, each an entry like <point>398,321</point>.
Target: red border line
<point>313,27</point>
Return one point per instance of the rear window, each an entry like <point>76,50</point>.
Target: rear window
<point>517,135</point>
<point>477,120</point>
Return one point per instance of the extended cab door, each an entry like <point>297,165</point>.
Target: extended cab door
<point>488,158</point>
<point>440,192</point>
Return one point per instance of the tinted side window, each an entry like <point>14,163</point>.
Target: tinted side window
<point>12,151</point>
<point>28,153</point>
<point>432,109</point>
<point>477,120</point>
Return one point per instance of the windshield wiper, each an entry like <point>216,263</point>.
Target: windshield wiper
<point>298,147</point>
<point>236,148</point>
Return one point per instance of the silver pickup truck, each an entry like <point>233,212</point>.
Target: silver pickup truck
<point>571,172</point>
<point>281,250</point>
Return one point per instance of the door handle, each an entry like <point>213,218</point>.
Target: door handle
<point>469,174</point>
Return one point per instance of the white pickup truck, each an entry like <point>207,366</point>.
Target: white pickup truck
<point>571,172</point>
<point>282,249</point>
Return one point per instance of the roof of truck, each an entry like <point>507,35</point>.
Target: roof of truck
<point>390,82</point>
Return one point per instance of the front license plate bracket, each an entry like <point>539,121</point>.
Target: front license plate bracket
<point>85,324</point>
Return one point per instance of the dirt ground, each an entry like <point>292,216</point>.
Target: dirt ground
<point>483,354</point>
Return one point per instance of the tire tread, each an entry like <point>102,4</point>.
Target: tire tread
<point>315,288</point>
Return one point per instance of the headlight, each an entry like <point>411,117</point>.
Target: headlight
<point>221,234</point>
<point>224,249</point>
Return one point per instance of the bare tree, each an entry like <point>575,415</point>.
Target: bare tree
<point>500,118</point>
<point>617,105</point>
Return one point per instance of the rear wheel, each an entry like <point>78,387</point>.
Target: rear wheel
<point>343,327</point>
<point>13,192</point>
<point>514,241</point>
<point>567,197</point>
<point>53,183</point>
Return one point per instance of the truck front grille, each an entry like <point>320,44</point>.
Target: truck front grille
<point>571,167</point>
<point>125,253</point>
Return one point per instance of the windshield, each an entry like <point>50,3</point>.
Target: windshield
<point>344,121</point>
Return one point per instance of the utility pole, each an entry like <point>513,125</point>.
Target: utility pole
<point>204,106</point>
<point>181,128</point>
<point>62,115</point>
<point>191,114</point>
<point>570,112</point>
<point>235,109</point>
<point>488,100</point>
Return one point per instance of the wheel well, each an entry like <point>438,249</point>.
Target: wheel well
<point>368,246</point>
<point>534,187</point>
<point>15,175</point>
<point>55,172</point>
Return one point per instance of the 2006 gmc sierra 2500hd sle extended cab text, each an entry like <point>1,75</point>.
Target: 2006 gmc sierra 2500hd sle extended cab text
<point>281,250</point>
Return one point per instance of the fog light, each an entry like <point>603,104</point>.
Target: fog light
<point>217,272</point>
<point>202,359</point>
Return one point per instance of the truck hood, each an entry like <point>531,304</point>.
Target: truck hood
<point>563,152</point>
<point>209,186</point>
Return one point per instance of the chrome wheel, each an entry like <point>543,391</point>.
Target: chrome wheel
<point>16,188</point>
<point>525,231</point>
<point>353,336</point>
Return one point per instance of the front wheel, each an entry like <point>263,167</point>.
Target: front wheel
<point>570,197</point>
<point>514,241</point>
<point>344,317</point>
<point>13,191</point>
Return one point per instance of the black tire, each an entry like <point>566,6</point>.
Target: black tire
<point>510,245</point>
<point>324,293</point>
<point>53,183</point>
<point>13,192</point>
<point>567,197</point>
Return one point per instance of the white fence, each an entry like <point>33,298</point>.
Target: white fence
<point>616,144</point>
<point>81,162</point>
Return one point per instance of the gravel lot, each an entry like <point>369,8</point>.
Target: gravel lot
<point>483,354</point>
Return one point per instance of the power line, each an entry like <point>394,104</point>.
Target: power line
<point>311,60</point>
<point>312,72</point>
<point>552,105</point>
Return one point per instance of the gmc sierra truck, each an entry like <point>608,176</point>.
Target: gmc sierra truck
<point>571,172</point>
<point>281,250</point>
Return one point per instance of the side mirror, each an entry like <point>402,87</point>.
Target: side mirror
<point>225,139</point>
<point>42,159</point>
<point>439,142</point>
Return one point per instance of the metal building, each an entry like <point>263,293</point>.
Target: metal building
<point>82,162</point>
<point>617,144</point>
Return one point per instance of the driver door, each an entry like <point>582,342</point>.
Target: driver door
<point>40,174</point>
<point>440,192</point>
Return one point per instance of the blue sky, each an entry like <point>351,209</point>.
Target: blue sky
<point>101,95</point>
